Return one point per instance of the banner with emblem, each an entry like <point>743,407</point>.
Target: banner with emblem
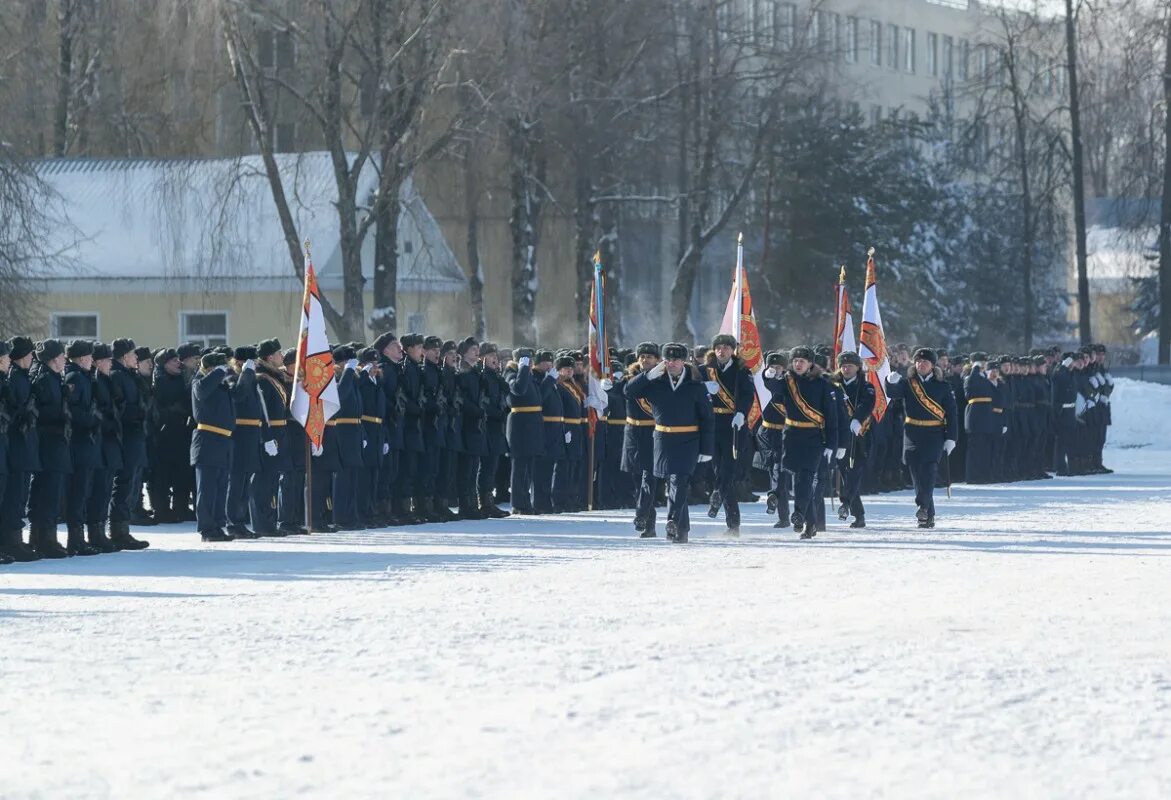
<point>599,355</point>
<point>315,397</point>
<point>740,322</point>
<point>843,320</point>
<point>872,340</point>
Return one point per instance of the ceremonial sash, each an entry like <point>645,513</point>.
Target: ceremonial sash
<point>724,396</point>
<point>811,414</point>
<point>280,390</point>
<point>780,407</point>
<point>645,405</point>
<point>930,406</point>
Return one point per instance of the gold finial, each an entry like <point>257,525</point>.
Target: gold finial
<point>307,250</point>
<point>597,256</point>
<point>842,275</point>
<point>870,252</point>
<point>740,238</point>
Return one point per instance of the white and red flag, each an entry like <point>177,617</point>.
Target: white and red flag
<point>740,323</point>
<point>597,400</point>
<point>843,320</point>
<point>315,397</point>
<point>872,341</point>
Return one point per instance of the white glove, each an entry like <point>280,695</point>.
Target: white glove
<point>704,459</point>
<point>895,377</point>
<point>525,361</point>
<point>1095,381</point>
<point>712,387</point>
<point>659,369</point>
<point>840,454</point>
<point>948,446</point>
<point>770,373</point>
<point>828,453</point>
<point>352,363</point>
<point>316,449</point>
<point>270,448</point>
<point>1004,430</point>
<point>1090,404</point>
<point>249,364</point>
<point>369,367</point>
<point>607,384</point>
<point>568,437</point>
<point>385,448</point>
<point>1065,362</point>
<point>364,443</point>
<point>738,421</point>
<point>855,427</point>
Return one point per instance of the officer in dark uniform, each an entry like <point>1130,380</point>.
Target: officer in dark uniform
<point>409,409</point>
<point>375,449</point>
<point>5,421</point>
<point>525,430</point>
<point>132,408</point>
<point>568,472</point>
<point>930,430</point>
<point>684,428</point>
<point>390,356</point>
<point>469,427</point>
<point>1064,413</point>
<point>246,441</point>
<point>23,448</point>
<point>553,419</point>
<point>143,375</point>
<point>53,431</point>
<point>494,394</point>
<point>825,469</point>
<point>638,444</point>
<point>291,499</point>
<point>730,384</point>
<point>810,435</point>
<point>1103,383</point>
<point>214,413</point>
<point>451,429</point>
<point>979,422</point>
<point>434,440</point>
<point>275,456</point>
<point>613,483</point>
<point>954,376</point>
<point>169,437</point>
<point>859,397</point>
<point>350,444</point>
<point>770,444</point>
<point>85,448</point>
<point>183,494</point>
<point>110,440</point>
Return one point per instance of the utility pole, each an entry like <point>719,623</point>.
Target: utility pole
<point>1079,193</point>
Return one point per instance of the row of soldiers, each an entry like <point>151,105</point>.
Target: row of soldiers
<point>426,425</point>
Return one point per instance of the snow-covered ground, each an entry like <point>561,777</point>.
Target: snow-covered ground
<point>1020,649</point>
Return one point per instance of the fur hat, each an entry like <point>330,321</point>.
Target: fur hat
<point>801,352</point>
<point>411,340</point>
<point>48,350</point>
<point>212,360</point>
<point>674,350</point>
<point>20,346</point>
<point>290,357</point>
<point>368,356</point>
<point>724,339</point>
<point>5,347</point>
<point>776,359</point>
<point>524,352</point>
<point>268,347</point>
<point>79,348</point>
<point>343,353</point>
<point>488,348</point>
<point>383,340</point>
<point>120,347</point>
<point>979,355</point>
<point>432,343</point>
<point>244,353</point>
<point>925,354</point>
<point>166,354</point>
<point>144,353</point>
<point>648,349</point>
<point>849,357</point>
<point>102,351</point>
<point>447,347</point>
<point>543,356</point>
<point>563,362</point>
<point>189,350</point>
<point>465,345</point>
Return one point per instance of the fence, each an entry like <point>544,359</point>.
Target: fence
<point>1151,374</point>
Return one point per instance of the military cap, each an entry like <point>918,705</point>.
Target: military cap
<point>368,356</point>
<point>629,359</point>
<point>979,355</point>
<point>941,353</point>
<point>776,359</point>
<point>448,346</point>
<point>213,359</point>
<point>1024,360</point>
<point>564,361</point>
<point>801,351</point>
<point>412,339</point>
<point>466,344</point>
<point>383,340</point>
<point>244,353</point>
<point>674,350</point>
<point>1005,359</point>
<point>224,350</point>
<point>723,339</point>
<point>1036,351</point>
<point>849,357</point>
<point>821,359</point>
<point>544,356</point>
<point>20,346</point>
<point>343,353</point>
<point>925,354</point>
<point>49,349</point>
<point>189,350</point>
<point>102,351</point>
<point>432,343</point>
<point>268,347</point>
<point>144,353</point>
<point>1038,360</point>
<point>488,348</point>
<point>165,354</point>
<point>79,348</point>
<point>290,357</point>
<point>121,347</point>
<point>524,352</point>
<point>960,360</point>
<point>648,349</point>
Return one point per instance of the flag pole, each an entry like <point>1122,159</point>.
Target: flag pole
<point>308,444</point>
<point>738,309</point>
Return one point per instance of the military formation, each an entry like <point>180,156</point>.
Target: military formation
<point>101,437</point>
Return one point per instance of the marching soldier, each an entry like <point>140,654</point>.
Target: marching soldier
<point>730,384</point>
<point>494,395</point>
<point>859,397</point>
<point>684,433</point>
<point>84,444</point>
<point>638,443</point>
<point>275,457</point>
<point>525,430</point>
<point>930,431</point>
<point>568,473</point>
<point>770,442</point>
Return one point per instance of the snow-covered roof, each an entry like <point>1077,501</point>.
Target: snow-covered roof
<point>1120,242</point>
<point>198,221</point>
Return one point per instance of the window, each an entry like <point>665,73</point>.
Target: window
<point>786,25</point>
<point>408,247</point>
<point>932,54</point>
<point>963,55</point>
<point>892,46</point>
<point>285,49</point>
<point>285,138</point>
<point>208,328</point>
<point>815,25</point>
<point>74,325</point>
<point>875,115</point>
<point>909,49</point>
<point>265,50</point>
<point>947,57</point>
<point>875,43</point>
<point>851,40</point>
<point>982,61</point>
<point>760,20</point>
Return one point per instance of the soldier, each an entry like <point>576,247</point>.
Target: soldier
<point>184,492</point>
<point>525,430</point>
<point>390,356</point>
<point>170,437</point>
<point>5,420</point>
<point>494,394</point>
<point>110,439</point>
<point>143,376</point>
<point>770,442</point>
<point>375,447</point>
<point>53,431</point>
<point>409,408</point>
<point>979,423</point>
<point>291,500</point>
<point>23,448</point>
<point>214,413</point>
<point>859,397</point>
<point>568,472</point>
<point>955,378</point>
<point>638,443</point>
<point>825,469</point>
<point>553,427</point>
<point>1103,383</point>
<point>85,451</point>
<point>275,457</point>
<point>613,484</point>
<point>1065,401</point>
<point>246,441</point>
<point>684,433</point>
<point>350,444</point>
<point>470,440</point>
<point>930,427</point>
<point>432,431</point>
<point>730,384</point>
<point>132,408</point>
<point>810,435</point>
<point>451,428</point>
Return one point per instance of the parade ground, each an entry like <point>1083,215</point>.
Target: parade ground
<point>1019,649</point>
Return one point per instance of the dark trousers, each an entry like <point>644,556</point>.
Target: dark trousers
<point>15,501</point>
<point>80,483</point>
<point>467,475</point>
<point>726,474</point>
<point>98,509</point>
<point>1064,448</point>
<point>44,498</point>
<point>126,493</point>
<point>978,466</point>
<point>678,487</point>
<point>486,475</point>
<point>369,478</point>
<point>387,474</point>
<point>322,496</point>
<point>167,489</point>
<point>408,467</point>
<point>923,471</point>
<point>778,483</point>
<point>239,490</point>
<point>644,498</point>
<point>566,479</point>
<point>345,496</point>
<point>428,470</point>
<point>291,505</point>
<point>803,492</point>
<point>262,500</point>
<point>851,494</point>
<point>543,471</point>
<point>211,498</point>
<point>613,483</point>
<point>520,488</point>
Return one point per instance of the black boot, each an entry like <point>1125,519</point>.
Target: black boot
<point>798,520</point>
<point>142,518</point>
<point>469,508</point>
<point>489,509</point>
<point>859,522</point>
<point>406,513</point>
<point>242,532</point>
<point>424,508</point>
<point>441,509</point>
<point>6,559</point>
<point>713,507</point>
<point>648,533</point>
<point>120,536</point>
<point>215,535</point>
<point>672,530</point>
<point>810,531</point>
<point>43,539</point>
<point>96,533</point>
<point>12,545</point>
<point>75,543</point>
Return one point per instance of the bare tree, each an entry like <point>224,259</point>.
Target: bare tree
<point>1165,212</point>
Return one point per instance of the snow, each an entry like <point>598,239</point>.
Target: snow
<point>1020,649</point>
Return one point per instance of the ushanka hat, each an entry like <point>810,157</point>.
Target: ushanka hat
<point>102,351</point>
<point>925,354</point>
<point>49,349</point>
<point>20,346</point>
<point>79,348</point>
<point>801,352</point>
<point>849,357</point>
<point>120,347</point>
<point>674,350</point>
<point>268,347</point>
<point>648,349</point>
<point>724,339</point>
